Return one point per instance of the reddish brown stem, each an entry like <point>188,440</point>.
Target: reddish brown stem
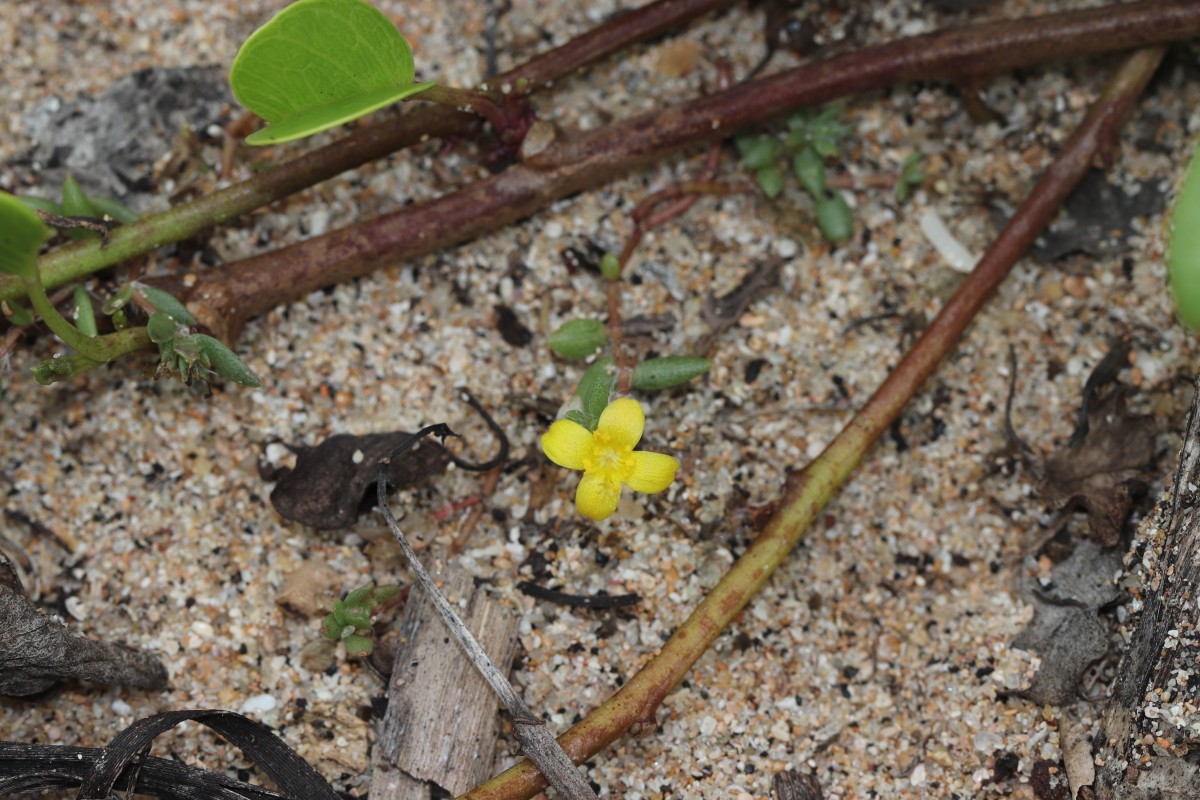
<point>808,490</point>
<point>225,297</point>
<point>364,145</point>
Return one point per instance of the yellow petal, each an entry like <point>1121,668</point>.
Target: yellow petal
<point>621,423</point>
<point>567,444</point>
<point>652,472</point>
<point>597,498</point>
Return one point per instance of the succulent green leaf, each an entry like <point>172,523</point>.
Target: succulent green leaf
<point>21,235</point>
<point>84,314</point>
<point>112,208</point>
<point>357,617</point>
<point>165,302</point>
<point>810,169</point>
<point>594,390</point>
<point>579,338</point>
<point>318,64</point>
<point>224,362</point>
<point>1183,257</point>
<point>834,217</point>
<point>358,597</point>
<point>358,645</point>
<point>40,204</point>
<point>770,180</point>
<point>331,627</point>
<point>118,301</point>
<point>761,152</point>
<point>161,327</point>
<point>667,371</point>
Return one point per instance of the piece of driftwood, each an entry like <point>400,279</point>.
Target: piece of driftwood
<point>38,650</point>
<point>1150,745</point>
<point>442,719</point>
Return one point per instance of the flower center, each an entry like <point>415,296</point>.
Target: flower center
<point>610,461</point>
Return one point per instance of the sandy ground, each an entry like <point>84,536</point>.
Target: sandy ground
<point>878,658</point>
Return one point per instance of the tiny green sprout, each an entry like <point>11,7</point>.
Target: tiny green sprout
<point>320,63</point>
<point>1183,258</point>
<point>350,619</point>
<point>163,301</point>
<point>810,169</point>
<point>579,338</point>
<point>912,175</point>
<point>664,372</point>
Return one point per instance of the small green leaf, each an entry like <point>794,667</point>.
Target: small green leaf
<point>118,300</point>
<point>358,645</point>
<point>385,593</point>
<point>21,236</point>
<point>610,267</point>
<point>359,618</point>
<point>85,315</point>
<point>113,208</point>
<point>667,371</point>
<point>579,338</point>
<point>595,388</point>
<point>770,180</point>
<point>583,419</point>
<point>331,627</point>
<point>41,204</point>
<point>318,64</point>
<point>359,597</point>
<point>224,362</point>
<point>165,302</point>
<point>161,327</point>
<point>810,169</point>
<point>834,217</point>
<point>760,153</point>
<point>74,203</point>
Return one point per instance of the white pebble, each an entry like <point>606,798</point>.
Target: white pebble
<point>259,704</point>
<point>119,706</point>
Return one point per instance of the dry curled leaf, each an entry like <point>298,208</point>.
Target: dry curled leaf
<point>1106,469</point>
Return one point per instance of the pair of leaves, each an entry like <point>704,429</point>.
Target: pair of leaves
<point>321,63</point>
<point>74,203</point>
<point>596,387</point>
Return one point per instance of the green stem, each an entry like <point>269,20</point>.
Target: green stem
<point>114,345</point>
<point>63,329</point>
<point>808,491</point>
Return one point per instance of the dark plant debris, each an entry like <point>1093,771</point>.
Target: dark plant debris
<point>125,765</point>
<point>1098,218</point>
<point>333,482</point>
<point>38,651</point>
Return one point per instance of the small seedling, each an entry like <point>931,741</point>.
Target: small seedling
<point>350,620</point>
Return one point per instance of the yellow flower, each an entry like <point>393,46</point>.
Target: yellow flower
<point>607,458</point>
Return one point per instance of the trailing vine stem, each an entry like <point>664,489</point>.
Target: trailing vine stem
<point>225,297</point>
<point>807,491</point>
<point>363,146</point>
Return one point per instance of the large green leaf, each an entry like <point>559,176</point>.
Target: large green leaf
<point>21,235</point>
<point>320,63</point>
